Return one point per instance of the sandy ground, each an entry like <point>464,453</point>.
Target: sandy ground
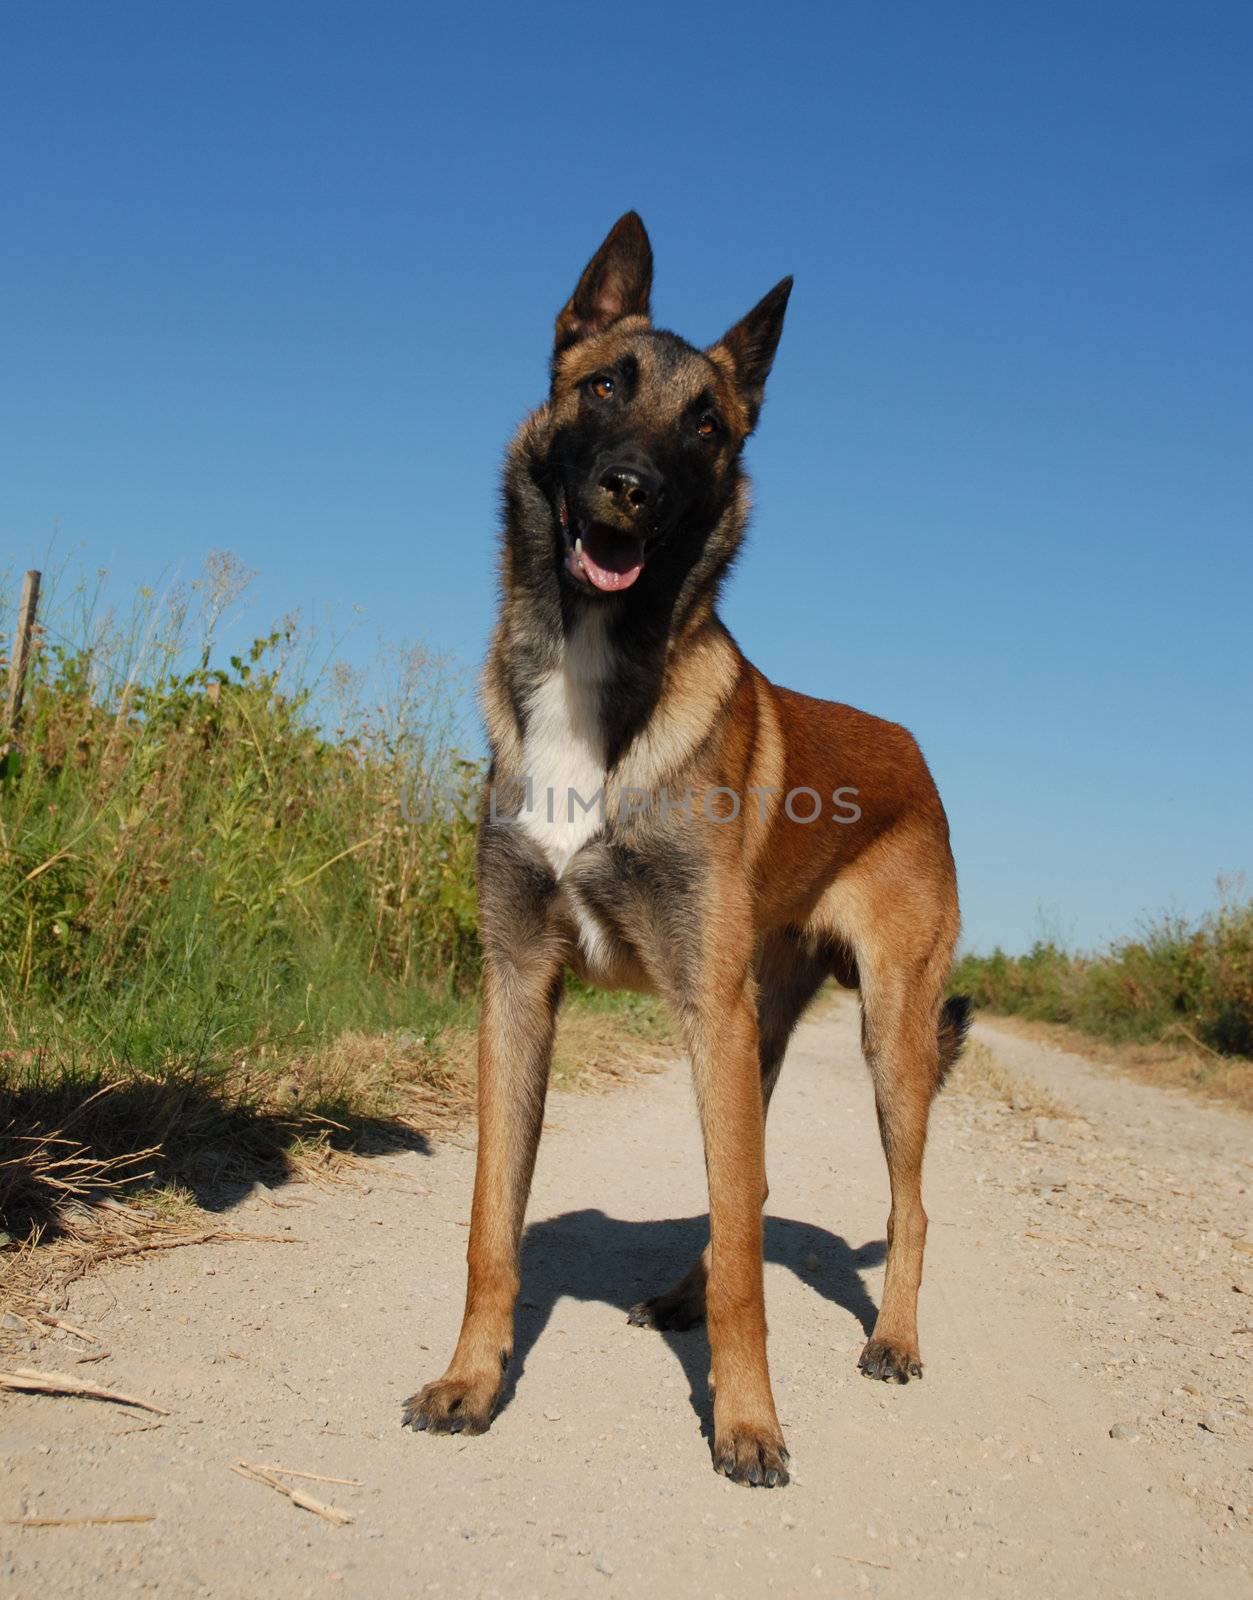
<point>1082,1276</point>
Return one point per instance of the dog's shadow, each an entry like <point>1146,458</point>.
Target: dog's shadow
<point>590,1256</point>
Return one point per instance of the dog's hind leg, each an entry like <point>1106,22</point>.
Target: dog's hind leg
<point>900,1038</point>
<point>789,972</point>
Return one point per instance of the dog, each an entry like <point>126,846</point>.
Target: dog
<point>659,816</point>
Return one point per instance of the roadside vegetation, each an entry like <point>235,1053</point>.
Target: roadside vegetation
<point>1175,1002</point>
<point>232,928</point>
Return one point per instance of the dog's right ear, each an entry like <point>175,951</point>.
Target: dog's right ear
<point>616,283</point>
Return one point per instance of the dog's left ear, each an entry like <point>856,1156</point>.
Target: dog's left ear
<point>750,346</point>
<point>616,283</point>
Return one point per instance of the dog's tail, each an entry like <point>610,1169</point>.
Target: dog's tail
<point>954,1026</point>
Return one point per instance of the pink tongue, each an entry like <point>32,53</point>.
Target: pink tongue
<point>623,562</point>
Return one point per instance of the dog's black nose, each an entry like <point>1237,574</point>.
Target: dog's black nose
<point>633,490</point>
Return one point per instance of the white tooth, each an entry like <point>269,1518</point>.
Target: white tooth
<point>578,546</point>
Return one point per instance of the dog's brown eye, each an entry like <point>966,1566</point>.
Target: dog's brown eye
<point>603,386</point>
<point>708,425</point>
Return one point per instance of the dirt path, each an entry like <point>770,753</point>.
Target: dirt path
<point>1077,1281</point>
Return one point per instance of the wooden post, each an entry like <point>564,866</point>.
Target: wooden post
<point>20,659</point>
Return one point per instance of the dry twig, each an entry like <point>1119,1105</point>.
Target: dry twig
<point>316,1477</point>
<point>55,1322</point>
<point>114,1252</point>
<point>27,1382</point>
<point>72,1522</point>
<point>306,1502</point>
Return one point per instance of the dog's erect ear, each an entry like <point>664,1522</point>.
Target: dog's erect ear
<point>615,283</point>
<point>750,346</point>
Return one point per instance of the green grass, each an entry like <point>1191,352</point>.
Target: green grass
<point>192,865</point>
<point>1177,980</point>
<point>209,875</point>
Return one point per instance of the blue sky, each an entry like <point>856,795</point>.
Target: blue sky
<point>281,278</point>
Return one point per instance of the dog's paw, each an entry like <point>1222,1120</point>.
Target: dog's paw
<point>452,1405</point>
<point>668,1313</point>
<point>890,1361</point>
<point>751,1456</point>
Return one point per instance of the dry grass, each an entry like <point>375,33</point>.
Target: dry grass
<point>73,1203</point>
<point>35,1275</point>
<point>40,1169</point>
<point>980,1073</point>
<point>598,1050</point>
<point>1170,1063</point>
<point>112,1173</point>
<point>600,1044</point>
<point>78,1139</point>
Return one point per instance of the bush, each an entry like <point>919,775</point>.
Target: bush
<point>1177,978</point>
<point>200,858</point>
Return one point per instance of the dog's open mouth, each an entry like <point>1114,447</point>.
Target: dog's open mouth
<point>606,558</point>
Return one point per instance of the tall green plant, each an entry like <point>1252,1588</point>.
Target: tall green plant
<point>195,855</point>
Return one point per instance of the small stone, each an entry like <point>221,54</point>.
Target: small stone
<point>552,1416</point>
<point>1212,1422</point>
<point>13,1324</point>
<point>811,1262</point>
<point>1124,1430</point>
<point>1047,1130</point>
<point>603,1566</point>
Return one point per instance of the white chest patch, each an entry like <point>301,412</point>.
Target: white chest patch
<point>564,749</point>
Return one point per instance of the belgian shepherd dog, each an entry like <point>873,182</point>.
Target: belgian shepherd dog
<point>659,816</point>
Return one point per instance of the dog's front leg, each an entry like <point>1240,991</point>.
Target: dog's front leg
<point>523,969</point>
<point>722,1036</point>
